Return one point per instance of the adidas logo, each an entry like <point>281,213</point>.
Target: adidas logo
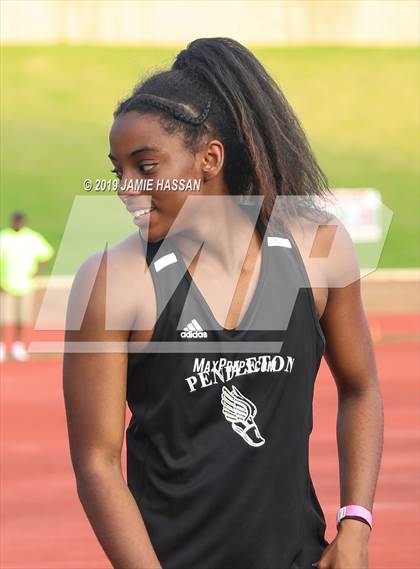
<point>193,330</point>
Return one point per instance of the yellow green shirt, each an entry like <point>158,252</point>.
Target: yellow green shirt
<point>20,253</point>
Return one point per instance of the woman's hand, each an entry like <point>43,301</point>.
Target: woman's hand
<point>349,549</point>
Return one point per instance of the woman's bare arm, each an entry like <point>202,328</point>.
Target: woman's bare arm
<point>360,422</point>
<point>95,394</point>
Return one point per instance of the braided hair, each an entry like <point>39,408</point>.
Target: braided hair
<point>217,86</point>
<point>174,109</point>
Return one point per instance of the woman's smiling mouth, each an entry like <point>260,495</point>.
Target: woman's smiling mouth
<point>141,212</point>
<point>140,216</point>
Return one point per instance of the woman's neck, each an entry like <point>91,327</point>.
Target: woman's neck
<point>226,234</point>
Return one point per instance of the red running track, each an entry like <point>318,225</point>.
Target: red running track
<point>43,523</point>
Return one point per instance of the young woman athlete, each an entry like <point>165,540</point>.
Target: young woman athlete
<point>211,321</point>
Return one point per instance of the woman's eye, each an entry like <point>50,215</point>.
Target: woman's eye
<point>117,172</point>
<point>146,168</point>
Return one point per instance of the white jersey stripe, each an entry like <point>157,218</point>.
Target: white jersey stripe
<point>278,242</point>
<point>164,261</point>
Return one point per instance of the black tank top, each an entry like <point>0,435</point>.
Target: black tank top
<point>217,445</point>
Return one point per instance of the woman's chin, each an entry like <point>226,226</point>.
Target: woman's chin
<point>152,232</point>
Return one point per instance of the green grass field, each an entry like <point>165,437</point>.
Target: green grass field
<point>359,108</point>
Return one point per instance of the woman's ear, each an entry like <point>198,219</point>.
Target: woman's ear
<point>213,158</point>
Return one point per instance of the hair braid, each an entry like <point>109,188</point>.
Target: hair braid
<point>176,110</point>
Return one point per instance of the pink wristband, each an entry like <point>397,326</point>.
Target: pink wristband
<point>353,510</point>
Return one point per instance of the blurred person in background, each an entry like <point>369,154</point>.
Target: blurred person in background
<point>24,253</point>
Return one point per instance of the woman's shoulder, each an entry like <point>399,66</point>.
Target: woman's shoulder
<point>328,254</point>
<point>327,249</point>
<point>112,282</point>
<point>120,256</point>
